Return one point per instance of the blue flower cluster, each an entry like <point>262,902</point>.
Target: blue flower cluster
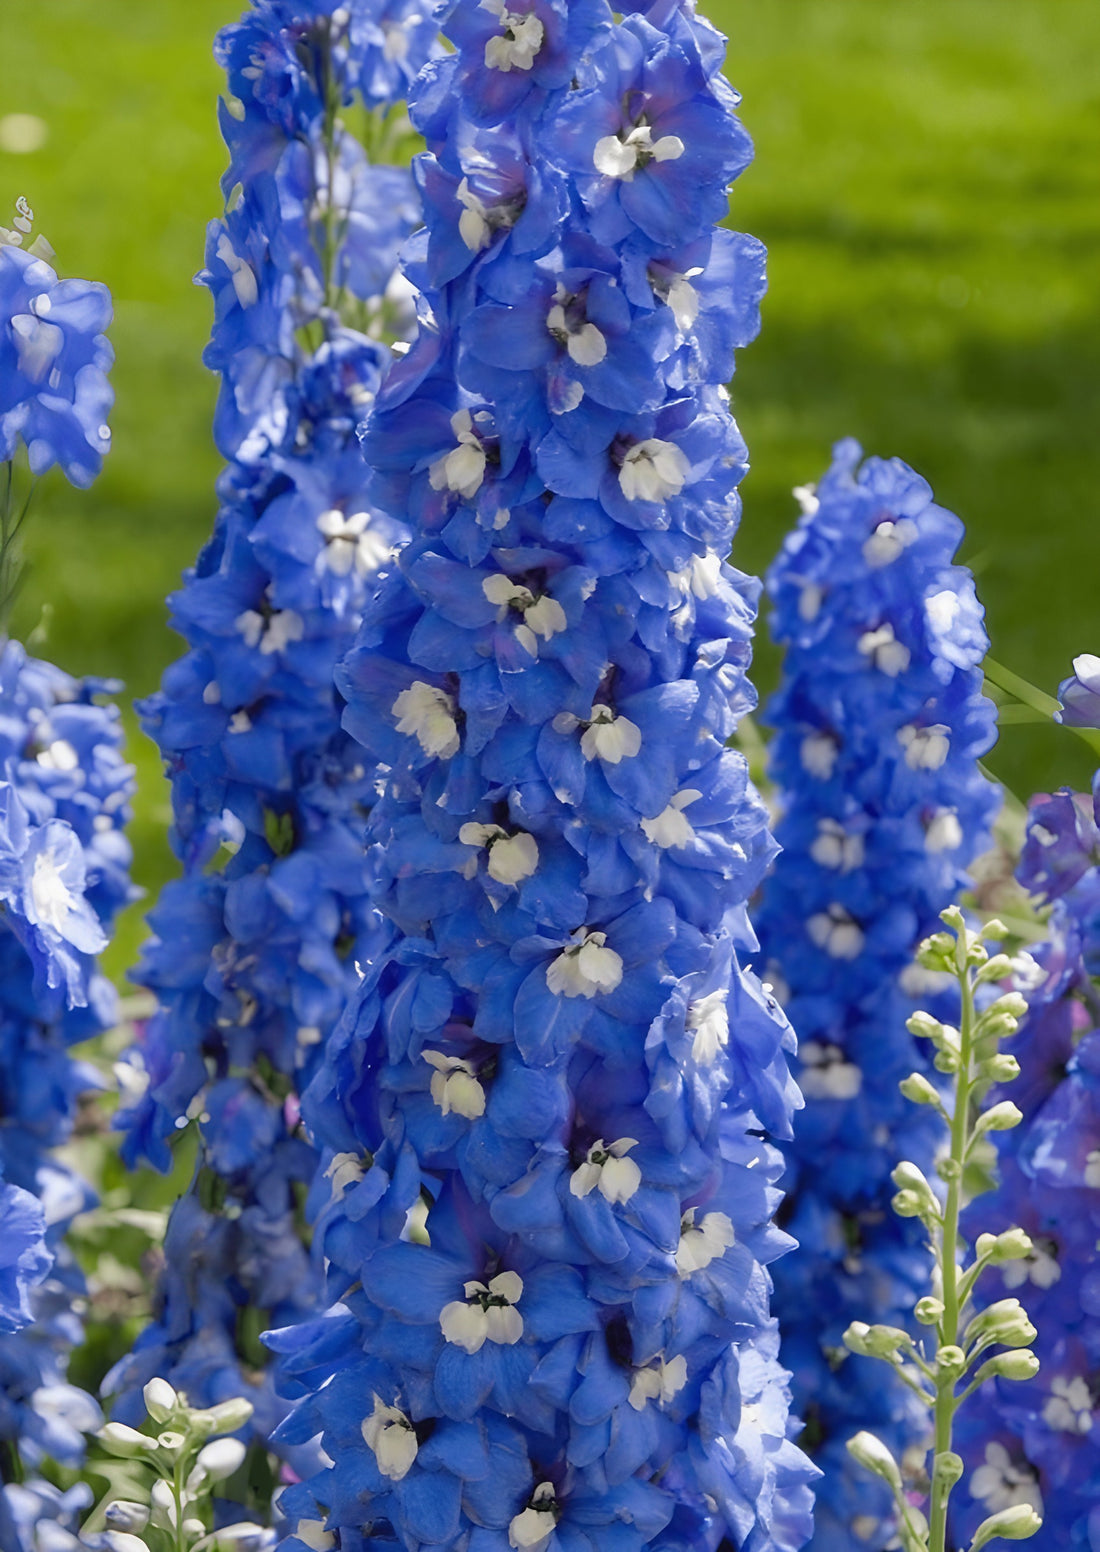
<point>255,947</point>
<point>64,860</point>
<point>1039,1443</point>
<point>547,1188</point>
<point>879,723</point>
<point>54,358</point>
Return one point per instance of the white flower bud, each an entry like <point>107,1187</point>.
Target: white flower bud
<point>872,1454</point>
<point>122,1440</point>
<point>1014,1524</point>
<point>160,1400</point>
<point>220,1458</point>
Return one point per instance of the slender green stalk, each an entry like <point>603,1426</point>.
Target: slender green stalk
<point>1037,700</point>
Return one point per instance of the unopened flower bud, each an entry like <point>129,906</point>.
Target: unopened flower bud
<point>948,1169</point>
<point>1014,1524</point>
<point>1011,1245</point>
<point>875,1341</point>
<point>928,1310</point>
<point>871,1453</point>
<point>947,1467</point>
<point>923,1026</point>
<point>995,930</point>
<point>947,1060</point>
<point>952,916</point>
<point>119,1439</point>
<point>937,952</point>
<point>124,1514</point>
<point>220,1458</point>
<point>230,1415</point>
<point>915,1198</point>
<point>1004,1323</point>
<point>1001,1068</point>
<point>917,1088</point>
<point>1001,1118</point>
<point>160,1400</point>
<point>951,1361</point>
<point>994,969</point>
<point>1020,1363</point>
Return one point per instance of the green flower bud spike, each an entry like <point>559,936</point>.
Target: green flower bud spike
<point>947,1367</point>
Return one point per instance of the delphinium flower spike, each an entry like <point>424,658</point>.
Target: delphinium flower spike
<point>958,1356</point>
<point>1038,1444</point>
<point>546,1197</point>
<point>880,721</point>
<point>64,860</point>
<point>256,945</point>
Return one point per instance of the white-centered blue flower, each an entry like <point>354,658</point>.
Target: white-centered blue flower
<point>488,1313</point>
<point>607,1168</point>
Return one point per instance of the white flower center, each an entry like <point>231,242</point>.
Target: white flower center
<point>806,496</point>
<point>50,895</point>
<point>582,340</point>
<point>59,756</point>
<point>541,616</point>
<point>835,847</point>
<point>621,155</point>
<point>889,656</point>
<point>671,826</point>
<point>709,1019</point>
<point>888,541</point>
<point>700,577</point>
<point>607,736</point>
<point>653,470</point>
<point>607,1169</point>
<point>925,748</point>
<point>511,857</point>
<point>429,714</point>
<point>486,1314</point>
<point>519,43</point>
<point>818,752</point>
<point>531,1529</point>
<point>241,273</point>
<point>659,1382</point>
<point>943,832</point>
<point>463,468</point>
<point>1000,1484</point>
<point>350,545</point>
<point>1039,1267</point>
<point>839,934</point>
<point>271,632</point>
<point>701,1245</point>
<point>1092,1169</point>
<point>943,609</point>
<point>455,1086</point>
<point>586,968</point>
<point>389,1434</point>
<point>345,1169</point>
<point>37,345</point>
<point>1069,1406</point>
<point>826,1074</point>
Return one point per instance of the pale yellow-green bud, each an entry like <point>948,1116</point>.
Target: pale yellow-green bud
<point>160,1400</point>
<point>1011,1245</point>
<point>1001,1118</point>
<point>995,930</point>
<point>230,1415</point>
<point>917,1088</point>
<point>994,969</point>
<point>871,1453</point>
<point>937,952</point>
<point>1014,1524</point>
<point>947,1060</point>
<point>923,1026</point>
<point>127,1442</point>
<point>951,1361</point>
<point>1019,1363</point>
<point>947,1467</point>
<point>1005,1323</point>
<point>875,1341</point>
<point>928,1310</point>
<point>1001,1068</point>
<point>952,917</point>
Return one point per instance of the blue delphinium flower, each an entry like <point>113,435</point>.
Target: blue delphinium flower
<point>547,1181</point>
<point>1079,695</point>
<point>64,860</point>
<point>1040,1444</point>
<point>256,946</point>
<point>879,724</point>
<point>54,358</point>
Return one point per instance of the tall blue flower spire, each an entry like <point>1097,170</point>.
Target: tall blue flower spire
<point>64,859</point>
<point>880,721</point>
<point>1041,1444</point>
<point>255,947</point>
<point>547,1184</point>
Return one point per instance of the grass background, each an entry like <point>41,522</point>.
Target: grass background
<point>927,182</point>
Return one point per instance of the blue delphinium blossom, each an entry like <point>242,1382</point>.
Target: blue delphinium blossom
<point>879,721</point>
<point>1040,1444</point>
<point>64,859</point>
<point>55,394</point>
<point>256,946</point>
<point>547,1185</point>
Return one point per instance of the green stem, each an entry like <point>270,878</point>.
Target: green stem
<point>946,1401</point>
<point>1038,700</point>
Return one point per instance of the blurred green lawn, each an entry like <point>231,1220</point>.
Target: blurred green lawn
<point>927,182</point>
